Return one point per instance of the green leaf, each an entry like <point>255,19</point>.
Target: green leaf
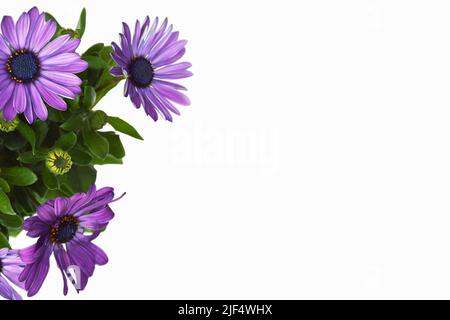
<point>27,132</point>
<point>67,141</point>
<point>75,122</point>
<point>116,148</point>
<point>98,119</point>
<point>89,97</point>
<point>106,84</point>
<point>79,157</point>
<point>81,27</point>
<point>80,179</point>
<point>110,159</point>
<point>4,185</point>
<point>106,55</point>
<point>41,130</point>
<point>95,62</point>
<point>94,50</point>
<point>4,241</point>
<point>96,144</point>
<point>49,17</point>
<point>5,204</point>
<point>19,176</point>
<point>124,127</point>
<point>15,142</point>
<point>11,221</point>
<point>30,158</point>
<point>50,180</point>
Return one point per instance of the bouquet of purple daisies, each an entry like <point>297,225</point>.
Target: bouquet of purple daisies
<point>52,137</point>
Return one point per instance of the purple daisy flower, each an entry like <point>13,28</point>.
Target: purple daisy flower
<point>66,227</point>
<point>33,69</point>
<point>148,60</point>
<point>10,267</point>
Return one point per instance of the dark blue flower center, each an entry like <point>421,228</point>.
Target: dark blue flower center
<point>141,72</point>
<point>23,66</point>
<point>65,230</point>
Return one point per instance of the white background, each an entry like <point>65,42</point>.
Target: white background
<point>314,161</point>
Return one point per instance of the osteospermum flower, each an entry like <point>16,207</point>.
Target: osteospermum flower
<point>33,69</point>
<point>8,126</point>
<point>148,60</point>
<point>66,227</point>
<point>58,162</point>
<point>10,268</point>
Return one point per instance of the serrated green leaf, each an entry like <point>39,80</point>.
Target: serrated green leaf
<point>124,127</point>
<point>18,176</point>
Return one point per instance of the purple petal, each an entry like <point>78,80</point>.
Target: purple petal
<point>9,113</point>
<point>5,51</point>
<point>29,114</point>
<point>50,98</point>
<point>34,14</point>
<point>177,75</point>
<point>116,71</point>
<point>62,59</point>
<point>182,66</point>
<point>20,98</point>
<point>37,271</point>
<point>173,95</point>
<point>165,102</point>
<point>63,78</point>
<point>173,85</point>
<point>63,262</point>
<point>7,291</point>
<point>97,220</point>
<point>56,88</point>
<point>161,43</point>
<point>6,93</point>
<point>22,27</point>
<point>170,51</point>
<point>39,107</point>
<point>46,213</point>
<point>53,47</point>
<point>171,60</point>
<point>9,31</point>
<point>36,27</point>
<point>48,31</point>
<point>137,35</point>
<point>61,206</point>
<point>81,257</point>
<point>155,101</point>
